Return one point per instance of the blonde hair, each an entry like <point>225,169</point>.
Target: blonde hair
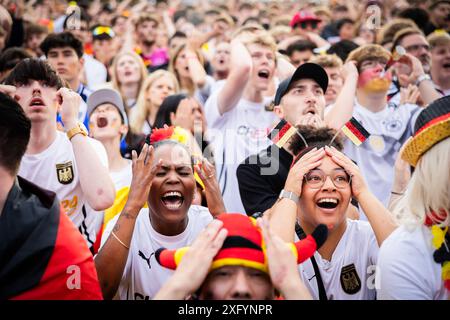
<point>142,109</point>
<point>264,39</point>
<point>191,87</point>
<point>327,61</point>
<point>437,39</point>
<point>142,69</point>
<point>368,51</point>
<point>429,188</point>
<point>387,32</point>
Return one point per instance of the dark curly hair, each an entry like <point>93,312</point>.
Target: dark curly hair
<point>314,137</point>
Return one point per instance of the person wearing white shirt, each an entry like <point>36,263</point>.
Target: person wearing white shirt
<point>318,190</point>
<point>413,260</point>
<point>163,177</point>
<point>237,118</point>
<point>70,164</point>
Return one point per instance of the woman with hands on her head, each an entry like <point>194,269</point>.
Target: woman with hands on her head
<point>317,191</point>
<point>163,176</point>
<point>233,258</point>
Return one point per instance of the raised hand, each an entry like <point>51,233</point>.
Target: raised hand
<point>144,171</point>
<point>307,162</point>
<point>282,263</point>
<point>358,184</point>
<point>195,264</point>
<point>69,104</point>
<point>213,195</point>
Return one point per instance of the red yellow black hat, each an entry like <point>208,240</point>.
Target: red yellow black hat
<point>244,245</point>
<point>432,126</point>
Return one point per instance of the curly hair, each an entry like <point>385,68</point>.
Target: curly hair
<point>314,137</point>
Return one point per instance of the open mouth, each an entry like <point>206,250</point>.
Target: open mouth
<point>102,122</point>
<point>310,111</point>
<point>128,73</point>
<point>263,74</point>
<point>327,203</point>
<point>36,102</point>
<point>172,200</point>
<point>446,65</point>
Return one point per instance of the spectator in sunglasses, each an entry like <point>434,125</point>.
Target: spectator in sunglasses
<point>104,44</point>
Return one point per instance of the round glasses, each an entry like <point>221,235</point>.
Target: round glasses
<point>316,178</point>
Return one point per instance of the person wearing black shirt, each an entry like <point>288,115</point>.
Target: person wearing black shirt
<point>300,101</point>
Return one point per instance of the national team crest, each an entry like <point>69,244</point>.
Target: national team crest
<point>64,172</point>
<point>350,281</point>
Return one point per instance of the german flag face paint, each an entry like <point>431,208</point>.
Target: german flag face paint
<point>355,132</point>
<point>375,80</point>
<point>281,133</point>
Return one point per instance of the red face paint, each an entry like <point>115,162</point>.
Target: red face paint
<point>373,79</point>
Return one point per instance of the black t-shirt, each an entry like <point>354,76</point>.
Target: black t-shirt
<point>261,178</point>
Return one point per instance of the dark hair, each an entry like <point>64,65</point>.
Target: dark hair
<point>33,29</point>
<point>342,48</point>
<point>61,40</point>
<point>117,17</point>
<point>315,137</point>
<point>418,15</point>
<point>300,45</point>
<point>15,130</point>
<point>170,104</point>
<point>82,17</point>
<point>177,34</point>
<point>34,69</point>
<point>11,57</point>
<point>340,23</point>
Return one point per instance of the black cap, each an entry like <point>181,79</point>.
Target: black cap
<point>305,71</point>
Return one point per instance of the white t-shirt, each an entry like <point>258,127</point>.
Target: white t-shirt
<point>55,169</point>
<point>389,129</point>
<point>350,275</point>
<point>123,177</point>
<point>236,135</point>
<point>143,277</point>
<point>95,71</point>
<point>407,270</point>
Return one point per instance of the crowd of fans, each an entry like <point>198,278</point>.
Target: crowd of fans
<point>177,149</point>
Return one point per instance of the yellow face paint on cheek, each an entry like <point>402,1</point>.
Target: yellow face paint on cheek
<point>369,80</point>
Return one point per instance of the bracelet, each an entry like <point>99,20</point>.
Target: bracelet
<point>117,238</point>
<point>397,193</point>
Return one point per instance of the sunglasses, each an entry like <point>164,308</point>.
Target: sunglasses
<point>305,24</point>
<point>316,178</point>
<point>103,30</point>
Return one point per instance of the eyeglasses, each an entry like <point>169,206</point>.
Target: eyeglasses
<point>372,63</point>
<point>305,24</point>
<point>417,47</point>
<point>316,178</point>
<point>103,30</point>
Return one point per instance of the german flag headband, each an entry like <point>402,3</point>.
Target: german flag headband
<point>244,245</point>
<point>432,126</point>
<point>354,131</point>
<point>282,132</point>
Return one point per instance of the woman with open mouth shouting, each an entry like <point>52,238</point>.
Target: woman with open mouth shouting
<point>163,176</point>
<point>318,190</point>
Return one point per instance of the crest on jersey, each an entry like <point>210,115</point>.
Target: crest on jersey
<point>64,172</point>
<point>350,281</point>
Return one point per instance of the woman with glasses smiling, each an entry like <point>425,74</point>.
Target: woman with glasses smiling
<point>318,190</point>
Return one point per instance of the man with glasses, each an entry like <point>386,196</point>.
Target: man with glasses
<point>415,43</point>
